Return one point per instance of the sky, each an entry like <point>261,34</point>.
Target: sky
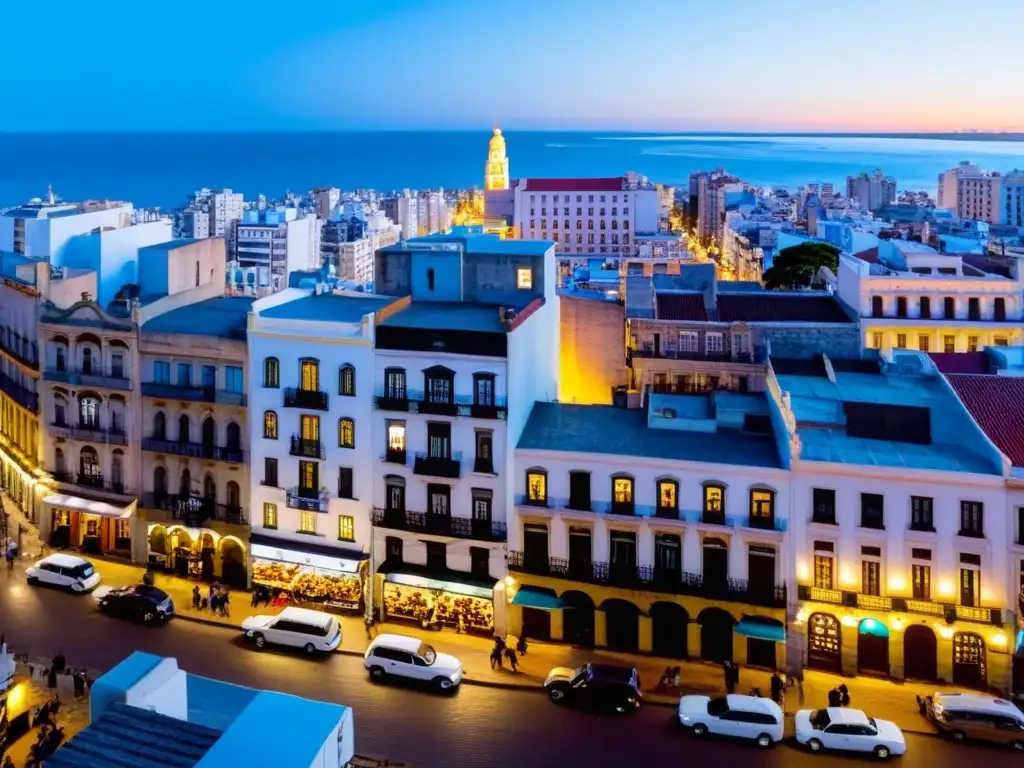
<point>645,65</point>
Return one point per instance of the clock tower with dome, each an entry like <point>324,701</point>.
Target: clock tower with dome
<point>496,170</point>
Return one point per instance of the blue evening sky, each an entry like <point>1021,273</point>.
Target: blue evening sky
<point>528,64</point>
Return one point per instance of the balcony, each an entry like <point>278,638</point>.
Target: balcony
<point>624,508</point>
<point>89,434</point>
<point>93,482</point>
<point>438,466</point>
<point>395,456</point>
<point>948,611</point>
<point>436,407</point>
<point>711,517</point>
<point>192,394</point>
<point>21,394</point>
<point>229,454</point>
<point>305,448</point>
<point>26,354</point>
<point>762,522</point>
<point>667,513</point>
<point>675,354</point>
<point>116,379</point>
<point>413,401</point>
<point>306,500</point>
<point>391,403</point>
<point>310,399</point>
<point>824,518</point>
<point>440,525</point>
<point>652,579</point>
<point>194,511</point>
<point>484,467</point>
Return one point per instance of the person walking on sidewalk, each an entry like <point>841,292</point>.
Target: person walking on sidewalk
<point>11,554</point>
<point>496,653</point>
<point>732,677</point>
<point>776,686</point>
<point>197,597</point>
<point>223,603</point>
<point>513,661</point>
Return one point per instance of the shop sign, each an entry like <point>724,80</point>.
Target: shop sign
<point>448,586</point>
<point>340,565</point>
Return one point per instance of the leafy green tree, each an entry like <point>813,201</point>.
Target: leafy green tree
<point>796,266</point>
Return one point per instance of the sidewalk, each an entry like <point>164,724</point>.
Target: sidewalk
<point>880,698</point>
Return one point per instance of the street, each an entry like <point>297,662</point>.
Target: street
<point>476,727</point>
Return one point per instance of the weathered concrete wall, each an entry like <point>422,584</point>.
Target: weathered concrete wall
<point>593,350</point>
<point>806,341</point>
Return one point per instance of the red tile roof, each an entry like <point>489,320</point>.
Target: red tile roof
<point>997,404</point>
<point>607,184</point>
<point>681,306</point>
<point>870,255</point>
<point>768,308</point>
<point>960,362</point>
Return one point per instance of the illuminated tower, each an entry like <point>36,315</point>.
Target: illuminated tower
<point>496,170</point>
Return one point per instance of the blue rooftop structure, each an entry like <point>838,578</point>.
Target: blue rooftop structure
<point>328,308</point>
<point>476,243</point>
<point>448,316</point>
<point>170,245</point>
<point>222,316</point>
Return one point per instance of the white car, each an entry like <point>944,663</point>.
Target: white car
<point>740,717</point>
<point>64,571</point>
<point>402,656</point>
<point>311,631</point>
<point>848,730</point>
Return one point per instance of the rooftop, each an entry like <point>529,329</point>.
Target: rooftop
<point>224,316</point>
<point>475,244</point>
<point>328,308</point>
<point>448,316</point>
<point>769,307</point>
<point>179,242</point>
<point>681,306</point>
<point>997,404</point>
<point>603,184</point>
<point>586,429</point>
<point>961,362</point>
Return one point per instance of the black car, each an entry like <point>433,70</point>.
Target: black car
<point>595,686</point>
<point>139,603</point>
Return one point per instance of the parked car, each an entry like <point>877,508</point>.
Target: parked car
<point>65,571</point>
<point>595,686</point>
<point>311,631</point>
<point>409,657</point>
<point>848,730</point>
<point>735,716</point>
<point>975,717</point>
<point>138,603</point>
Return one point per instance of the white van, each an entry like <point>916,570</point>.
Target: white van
<point>311,631</point>
<point>64,571</point>
<point>735,716</point>
<point>410,657</point>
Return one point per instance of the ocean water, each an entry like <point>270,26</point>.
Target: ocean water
<point>153,169</point>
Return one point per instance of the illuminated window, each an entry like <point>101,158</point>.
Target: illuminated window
<point>524,278</point>
<point>622,490</point>
<point>309,375</point>
<point>876,340</point>
<point>346,433</point>
<point>269,515</point>
<point>396,436</point>
<point>668,494</point>
<point>714,498</point>
<point>972,344</point>
<point>901,341</point>
<point>346,528</point>
<point>762,505</point>
<point>537,487</point>
<point>271,373</point>
<point>347,381</point>
<point>923,343</point>
<point>307,522</point>
<point>270,425</point>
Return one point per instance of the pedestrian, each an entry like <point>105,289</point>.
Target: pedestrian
<point>11,554</point>
<point>496,654</point>
<point>776,686</point>
<point>510,654</point>
<point>224,603</point>
<point>521,646</point>
<point>197,597</point>
<point>214,601</point>
<point>835,698</point>
<point>732,677</point>
<point>844,695</point>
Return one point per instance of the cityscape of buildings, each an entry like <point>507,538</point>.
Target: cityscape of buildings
<point>565,409</point>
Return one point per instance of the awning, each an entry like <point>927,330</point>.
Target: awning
<point>455,582</point>
<point>89,507</point>
<point>536,597</point>
<point>263,547</point>
<point>762,629</point>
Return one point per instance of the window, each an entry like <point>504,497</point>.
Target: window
<point>972,521</point>
<point>480,562</point>
<point>89,413</point>
<point>972,343</point>
<point>970,580</point>
<point>923,343</point>
<point>197,274</point>
<point>668,496</point>
<point>877,306</point>
<point>714,499</point>
<point>921,573</point>
<point>209,376</point>
<point>824,503</point>
<point>309,375</point>
<point>871,571</point>
<point>999,309</point>
<point>269,515</point>
<point>622,495</point>
<point>949,343</point>
<point>440,385</point>
<point>949,308</point>
<point>437,555</point>
<point>824,565</point>
<point>307,522</point>
<point>394,383</point>
<point>713,343</point>
<point>270,425</point>
<point>430,275</point>
<point>87,361</point>
<point>308,477</point>
<point>901,341</point>
<point>524,278</point>
<point>271,373</point>
<point>439,440</point>
<point>184,375</point>
<point>876,340</point>
<point>270,471</point>
<point>623,551</point>
<point>925,305</point>
<point>872,510</point>
<point>537,487</point>
<point>921,513</point>
<point>688,341</point>
<point>346,528</point>
<point>484,452</point>
<point>973,309</point>
<point>396,440</point>
<point>346,489</point>
<point>762,507</point>
<point>161,372</point>
<point>346,433</point>
<point>483,389</point>
<point>233,379</point>
<point>117,365</point>
<point>1001,341</point>
<point>901,306</point>
<point>347,381</point>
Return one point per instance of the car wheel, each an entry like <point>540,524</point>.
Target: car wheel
<point>764,741</point>
<point>1018,745</point>
<point>958,736</point>
<point>148,617</point>
<point>377,674</point>
<point>259,640</point>
<point>557,695</point>
<point>444,683</point>
<point>814,745</point>
<point>33,581</point>
<point>309,648</point>
<point>882,752</point>
<point>700,730</point>
<point>76,588</point>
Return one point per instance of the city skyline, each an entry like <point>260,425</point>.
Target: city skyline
<point>737,67</point>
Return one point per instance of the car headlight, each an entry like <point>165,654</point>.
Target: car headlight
<point>685,718</point>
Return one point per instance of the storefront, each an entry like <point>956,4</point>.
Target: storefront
<point>71,522</point>
<point>196,553</point>
<point>466,603</point>
<point>332,578</point>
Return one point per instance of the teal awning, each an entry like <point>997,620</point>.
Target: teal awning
<point>763,629</point>
<point>534,597</point>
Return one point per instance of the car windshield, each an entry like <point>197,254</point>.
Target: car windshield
<point>427,653</point>
<point>872,723</point>
<point>820,718</point>
<point>718,707</point>
<point>82,571</point>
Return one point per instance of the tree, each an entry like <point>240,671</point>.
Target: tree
<point>797,266</point>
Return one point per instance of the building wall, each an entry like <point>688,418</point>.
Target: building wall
<point>806,341</point>
<point>592,335</point>
<point>114,254</point>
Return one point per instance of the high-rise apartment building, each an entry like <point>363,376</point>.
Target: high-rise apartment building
<point>872,191</point>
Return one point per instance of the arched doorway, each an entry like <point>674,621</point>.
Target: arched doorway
<point>622,626</point>
<point>209,437</point>
<point>824,642</point>
<point>210,489</point>
<point>578,619</point>
<point>207,551</point>
<point>715,565</point>
<point>181,547</point>
<point>715,635</point>
<point>234,441</point>
<point>873,647</point>
<point>159,482</point>
<point>158,540</point>
<point>969,660</point>
<point>920,653</point>
<point>669,623</point>
<point>232,559</point>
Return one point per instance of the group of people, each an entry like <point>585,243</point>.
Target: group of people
<point>777,684</point>
<point>217,599</point>
<point>502,652</point>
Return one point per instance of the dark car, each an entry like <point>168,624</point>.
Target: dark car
<point>595,686</point>
<point>139,603</point>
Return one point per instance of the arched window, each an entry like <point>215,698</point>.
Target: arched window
<point>209,488</point>
<point>622,495</point>
<point>159,481</point>
<point>714,502</point>
<point>117,470</point>
<point>668,497</point>
<point>234,437</point>
<point>537,487</point>
<point>183,429</point>
<point>89,412</point>
<point>234,495</point>
<point>62,364</point>
<point>271,373</point>
<point>159,426</point>
<point>347,381</point>
<point>270,425</point>
<point>346,433</point>
<point>185,483</point>
<point>87,361</point>
<point>59,462</point>
<point>89,464</point>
